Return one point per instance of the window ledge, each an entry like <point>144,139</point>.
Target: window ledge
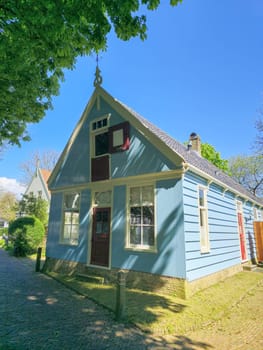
<point>69,244</point>
<point>141,249</point>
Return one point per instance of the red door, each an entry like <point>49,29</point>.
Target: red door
<point>242,236</point>
<point>100,237</point>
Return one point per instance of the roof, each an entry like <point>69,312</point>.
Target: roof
<point>194,160</point>
<point>45,174</point>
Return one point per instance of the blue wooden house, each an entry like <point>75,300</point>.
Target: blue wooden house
<point>125,195</point>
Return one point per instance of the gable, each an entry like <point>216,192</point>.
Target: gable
<point>38,185</point>
<point>131,149</point>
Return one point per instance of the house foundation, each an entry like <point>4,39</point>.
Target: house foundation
<point>178,287</point>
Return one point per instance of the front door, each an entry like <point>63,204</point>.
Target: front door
<point>100,237</point>
<point>242,236</point>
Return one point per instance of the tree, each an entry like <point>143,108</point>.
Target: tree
<point>259,137</point>
<point>45,160</point>
<point>8,206</point>
<point>34,206</point>
<point>209,152</point>
<point>41,38</point>
<point>26,234</point>
<point>248,171</point>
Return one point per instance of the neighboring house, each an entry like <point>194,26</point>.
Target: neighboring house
<point>125,195</point>
<point>38,185</point>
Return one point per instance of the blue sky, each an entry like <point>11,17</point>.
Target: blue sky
<point>199,70</point>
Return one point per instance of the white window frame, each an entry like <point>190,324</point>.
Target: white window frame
<point>72,213</point>
<point>100,129</point>
<point>203,220</point>
<point>141,246</point>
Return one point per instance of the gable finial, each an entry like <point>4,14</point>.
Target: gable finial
<point>98,77</point>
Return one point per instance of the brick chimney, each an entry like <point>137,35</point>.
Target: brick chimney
<point>195,143</point>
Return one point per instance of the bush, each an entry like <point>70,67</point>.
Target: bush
<point>3,237</point>
<point>26,233</point>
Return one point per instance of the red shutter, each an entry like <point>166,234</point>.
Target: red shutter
<point>124,143</point>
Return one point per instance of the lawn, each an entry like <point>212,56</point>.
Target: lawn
<point>159,314</point>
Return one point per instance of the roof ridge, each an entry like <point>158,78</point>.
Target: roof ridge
<point>192,158</point>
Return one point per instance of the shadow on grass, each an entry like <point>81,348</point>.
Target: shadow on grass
<point>142,308</point>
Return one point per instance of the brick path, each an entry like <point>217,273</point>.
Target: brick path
<point>38,313</point>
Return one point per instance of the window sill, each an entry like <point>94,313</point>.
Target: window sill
<point>142,249</point>
<point>204,251</point>
<point>68,244</point>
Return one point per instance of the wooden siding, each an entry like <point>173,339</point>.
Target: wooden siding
<point>54,249</point>
<point>222,221</point>
<point>75,169</point>
<point>169,258</point>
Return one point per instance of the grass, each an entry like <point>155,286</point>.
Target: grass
<point>159,314</point>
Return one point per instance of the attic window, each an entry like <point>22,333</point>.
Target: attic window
<point>102,123</point>
<point>101,144</point>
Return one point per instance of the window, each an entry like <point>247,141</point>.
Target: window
<point>104,141</point>
<point>203,220</point>
<point>102,123</point>
<point>141,223</point>
<point>70,233</point>
<point>101,144</point>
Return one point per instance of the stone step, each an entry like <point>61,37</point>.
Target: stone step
<point>90,278</point>
<point>249,267</point>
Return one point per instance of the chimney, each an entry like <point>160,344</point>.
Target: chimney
<point>195,143</point>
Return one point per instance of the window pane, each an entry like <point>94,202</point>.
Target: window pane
<point>135,235</point>
<point>74,231</point>
<point>103,197</point>
<point>98,216</point>
<point>201,197</point>
<point>135,215</point>
<point>66,235</point>
<point>148,215</point>
<point>67,218</point>
<point>147,195</point>
<point>98,227</point>
<point>101,144</point>
<point>135,196</point>
<point>71,201</point>
<point>75,218</point>
<point>148,235</point>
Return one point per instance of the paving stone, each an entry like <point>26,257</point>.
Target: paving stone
<point>38,313</point>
